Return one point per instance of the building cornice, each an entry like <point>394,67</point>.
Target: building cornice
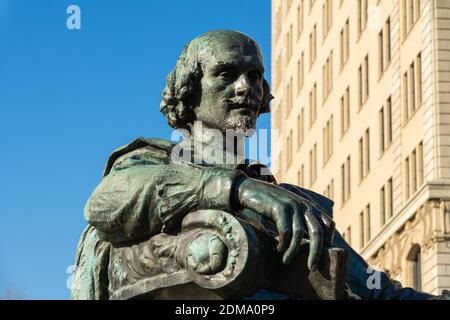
<point>438,189</point>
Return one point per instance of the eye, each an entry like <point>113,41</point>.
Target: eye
<point>227,74</point>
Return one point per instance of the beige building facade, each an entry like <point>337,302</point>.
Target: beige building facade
<point>362,114</point>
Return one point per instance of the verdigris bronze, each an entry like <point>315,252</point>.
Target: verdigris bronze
<point>197,220</point>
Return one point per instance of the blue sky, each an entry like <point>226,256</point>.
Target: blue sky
<point>69,97</point>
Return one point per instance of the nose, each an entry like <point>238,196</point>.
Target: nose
<point>242,86</point>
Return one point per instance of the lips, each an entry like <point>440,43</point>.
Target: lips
<point>246,105</point>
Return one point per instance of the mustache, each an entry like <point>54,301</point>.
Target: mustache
<point>247,102</point>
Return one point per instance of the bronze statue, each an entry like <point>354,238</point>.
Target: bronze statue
<point>169,221</point>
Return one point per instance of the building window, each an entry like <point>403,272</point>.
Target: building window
<point>386,204</point>
<point>345,180</point>
<point>387,43</point>
<point>367,152</point>
<point>380,53</point>
<point>301,176</point>
<point>329,190</point>
<point>363,82</point>
<point>327,17</point>
<point>361,228</point>
<point>366,78</point>
<point>405,97</point>
<point>330,72</point>
<point>312,105</point>
<point>313,165</point>
<point>361,158</point>
<point>279,163</point>
<point>289,149</point>
<point>289,2</point>
<point>327,133</point>
<point>418,80</point>
<point>278,23</point>
<point>420,172</point>
<point>277,114</point>
<point>385,124</point>
<point>360,87</point>
<point>413,169</point>
<point>344,44</point>
<point>312,46</point>
<point>410,13</point>
<point>384,48</point>
<point>300,128</point>
<point>361,16</point>
<point>388,121</point>
<point>406,179</point>
<point>345,112</point>
<point>347,235</point>
<point>382,130</point>
<point>289,95</point>
<point>383,205</point>
<point>327,76</point>
<point>311,5</point>
<point>300,72</point>
<point>364,222</point>
<point>364,155</point>
<point>324,82</point>
<point>412,88</point>
<point>416,10</point>
<point>289,44</point>
<point>278,71</point>
<point>414,261</point>
<point>300,18</point>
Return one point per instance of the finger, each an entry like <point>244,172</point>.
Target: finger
<point>298,232</point>
<point>316,239</point>
<point>329,229</point>
<point>283,222</point>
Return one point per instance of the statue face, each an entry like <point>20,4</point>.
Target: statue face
<point>231,88</point>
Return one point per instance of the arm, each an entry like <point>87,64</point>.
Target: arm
<point>140,196</point>
<point>144,194</point>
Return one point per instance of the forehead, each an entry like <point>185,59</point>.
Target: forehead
<point>230,50</point>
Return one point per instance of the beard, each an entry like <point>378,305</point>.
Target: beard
<point>241,115</point>
<point>241,122</point>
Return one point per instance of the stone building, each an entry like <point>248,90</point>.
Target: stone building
<point>362,115</point>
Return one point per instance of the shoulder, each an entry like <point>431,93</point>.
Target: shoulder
<point>139,151</point>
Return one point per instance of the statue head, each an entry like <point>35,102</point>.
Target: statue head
<point>219,80</point>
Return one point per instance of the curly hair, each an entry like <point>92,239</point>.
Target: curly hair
<point>181,84</point>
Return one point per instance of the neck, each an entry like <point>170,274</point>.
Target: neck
<point>229,141</point>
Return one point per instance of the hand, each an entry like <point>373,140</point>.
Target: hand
<point>290,212</point>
